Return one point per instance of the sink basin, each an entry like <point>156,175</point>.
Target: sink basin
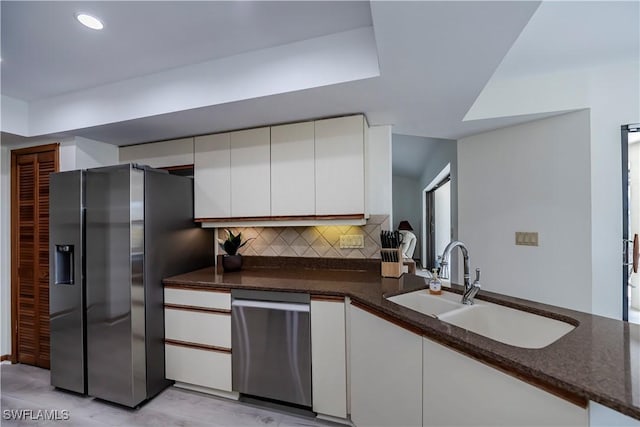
<point>507,325</point>
<point>431,305</point>
<point>504,324</point>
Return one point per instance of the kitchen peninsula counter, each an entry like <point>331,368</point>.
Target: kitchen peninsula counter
<point>596,361</point>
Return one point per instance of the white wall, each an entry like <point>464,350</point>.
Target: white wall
<point>91,154</point>
<point>74,153</point>
<point>615,100</point>
<point>530,177</point>
<point>14,115</point>
<point>378,171</point>
<point>612,92</point>
<point>407,205</point>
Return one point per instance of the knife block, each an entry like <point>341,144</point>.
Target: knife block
<point>391,269</point>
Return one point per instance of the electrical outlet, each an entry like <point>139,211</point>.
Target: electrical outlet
<point>351,241</point>
<point>527,238</point>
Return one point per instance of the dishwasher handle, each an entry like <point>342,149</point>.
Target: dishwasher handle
<point>271,305</point>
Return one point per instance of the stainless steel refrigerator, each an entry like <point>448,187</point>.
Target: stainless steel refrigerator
<point>115,233</point>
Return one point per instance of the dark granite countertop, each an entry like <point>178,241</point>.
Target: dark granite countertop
<point>598,360</point>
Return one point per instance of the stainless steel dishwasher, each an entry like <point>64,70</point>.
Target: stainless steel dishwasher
<point>271,342</point>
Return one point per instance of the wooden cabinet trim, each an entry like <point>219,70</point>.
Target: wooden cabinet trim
<point>37,149</point>
<point>176,168</point>
<point>197,346</point>
<point>195,308</point>
<point>191,288</point>
<point>283,218</point>
<point>328,298</point>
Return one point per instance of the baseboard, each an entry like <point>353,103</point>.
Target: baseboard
<point>5,357</point>
<point>220,393</point>
<point>336,420</point>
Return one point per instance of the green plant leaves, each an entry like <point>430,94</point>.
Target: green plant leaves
<point>233,242</point>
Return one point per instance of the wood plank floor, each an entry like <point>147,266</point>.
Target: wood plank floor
<point>27,387</point>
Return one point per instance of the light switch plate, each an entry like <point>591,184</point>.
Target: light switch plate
<point>351,241</point>
<point>527,238</point>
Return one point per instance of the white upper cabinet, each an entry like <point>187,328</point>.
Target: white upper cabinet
<point>292,170</point>
<point>297,174</point>
<point>250,173</point>
<point>212,176</point>
<point>177,152</point>
<point>339,158</point>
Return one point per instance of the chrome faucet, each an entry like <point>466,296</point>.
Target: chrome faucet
<point>470,289</point>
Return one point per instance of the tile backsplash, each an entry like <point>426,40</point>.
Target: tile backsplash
<point>316,242</point>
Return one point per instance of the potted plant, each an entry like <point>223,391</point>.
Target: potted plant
<point>232,261</point>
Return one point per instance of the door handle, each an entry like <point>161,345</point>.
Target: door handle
<point>636,252</point>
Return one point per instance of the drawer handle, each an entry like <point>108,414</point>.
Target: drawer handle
<point>270,305</point>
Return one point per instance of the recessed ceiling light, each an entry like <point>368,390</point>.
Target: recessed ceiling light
<point>89,21</point>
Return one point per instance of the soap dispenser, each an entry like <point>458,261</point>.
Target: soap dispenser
<point>435,285</point>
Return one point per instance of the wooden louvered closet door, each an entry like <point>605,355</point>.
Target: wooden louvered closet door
<point>30,169</point>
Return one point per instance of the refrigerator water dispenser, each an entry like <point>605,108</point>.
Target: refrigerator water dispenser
<point>64,265</point>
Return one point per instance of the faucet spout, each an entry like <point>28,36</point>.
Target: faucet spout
<point>470,289</point>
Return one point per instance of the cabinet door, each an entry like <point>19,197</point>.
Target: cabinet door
<point>198,298</point>
<point>212,176</point>
<point>292,170</point>
<point>250,173</point>
<point>197,327</point>
<point>460,391</point>
<point>200,367</point>
<point>340,165</point>
<point>386,373</point>
<point>328,358</point>
<point>177,152</point>
<point>601,416</point>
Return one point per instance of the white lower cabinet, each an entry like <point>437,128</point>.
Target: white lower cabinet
<point>205,368</point>
<point>601,416</point>
<point>328,358</point>
<point>196,298</point>
<point>198,327</point>
<point>197,333</point>
<point>385,371</point>
<point>460,391</point>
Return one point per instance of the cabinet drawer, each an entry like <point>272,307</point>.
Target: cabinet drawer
<point>194,298</point>
<point>200,367</point>
<point>198,327</point>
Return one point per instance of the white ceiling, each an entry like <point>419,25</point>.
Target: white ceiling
<point>410,154</point>
<point>565,35</point>
<point>434,60</point>
<point>45,52</point>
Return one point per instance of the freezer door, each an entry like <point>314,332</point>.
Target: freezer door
<point>66,284</point>
<point>115,293</point>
